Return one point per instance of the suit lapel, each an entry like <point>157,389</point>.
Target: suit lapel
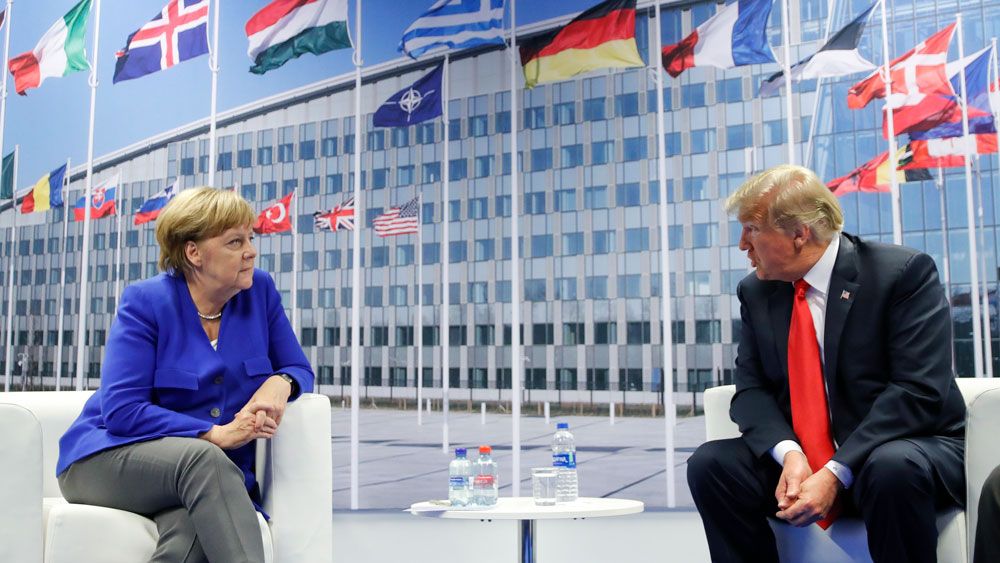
<point>839,301</point>
<point>779,306</point>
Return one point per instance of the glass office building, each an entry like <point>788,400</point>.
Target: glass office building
<point>590,229</point>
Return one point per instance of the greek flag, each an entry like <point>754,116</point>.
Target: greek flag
<point>454,24</point>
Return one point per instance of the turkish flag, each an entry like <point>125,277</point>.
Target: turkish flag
<point>275,219</point>
<point>920,85</point>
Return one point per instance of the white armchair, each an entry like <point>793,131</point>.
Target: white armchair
<point>294,469</point>
<point>846,540</point>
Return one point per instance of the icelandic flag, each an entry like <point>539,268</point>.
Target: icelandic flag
<point>178,33</point>
<point>454,24</point>
<point>416,103</point>
<point>734,36</point>
<point>102,201</point>
<point>838,57</point>
<point>151,208</point>
<point>977,87</point>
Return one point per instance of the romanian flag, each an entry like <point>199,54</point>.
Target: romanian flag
<point>46,193</point>
<point>601,37</point>
<point>873,176</point>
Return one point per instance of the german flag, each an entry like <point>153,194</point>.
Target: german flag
<point>601,37</point>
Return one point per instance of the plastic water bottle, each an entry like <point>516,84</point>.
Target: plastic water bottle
<point>460,479</point>
<point>564,460</point>
<point>485,489</point>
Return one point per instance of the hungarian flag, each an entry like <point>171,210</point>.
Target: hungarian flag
<point>920,85</point>
<point>286,29</point>
<point>275,219</point>
<point>102,201</point>
<point>734,36</point>
<point>601,37</point>
<point>873,176</point>
<point>838,57</point>
<point>46,193</point>
<point>59,52</point>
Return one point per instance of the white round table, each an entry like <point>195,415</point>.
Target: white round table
<point>527,512</point>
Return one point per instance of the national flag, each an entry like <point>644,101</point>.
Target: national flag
<point>286,29</point>
<point>873,176</point>
<point>3,18</point>
<point>454,24</point>
<point>7,177</point>
<point>920,86</point>
<point>948,123</point>
<point>102,201</point>
<point>151,208</point>
<point>46,193</point>
<point>601,37</point>
<point>340,218</point>
<point>59,52</point>
<point>839,56</point>
<point>403,220</point>
<point>734,36</point>
<point>276,218</point>
<point>178,33</point>
<point>949,152</point>
<point>416,103</point>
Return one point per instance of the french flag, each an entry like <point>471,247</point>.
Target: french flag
<point>733,37</point>
<point>151,208</point>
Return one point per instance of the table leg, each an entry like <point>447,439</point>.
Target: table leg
<point>526,533</point>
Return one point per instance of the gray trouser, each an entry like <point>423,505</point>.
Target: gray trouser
<point>188,486</point>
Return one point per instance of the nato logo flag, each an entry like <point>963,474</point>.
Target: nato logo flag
<point>414,104</point>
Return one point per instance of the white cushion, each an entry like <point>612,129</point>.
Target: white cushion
<point>20,491</point>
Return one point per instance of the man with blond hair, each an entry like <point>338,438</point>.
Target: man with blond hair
<point>845,395</point>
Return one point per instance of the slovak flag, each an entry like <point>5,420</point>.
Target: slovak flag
<point>151,208</point>
<point>275,219</point>
<point>178,33</point>
<point>102,201</point>
<point>734,36</point>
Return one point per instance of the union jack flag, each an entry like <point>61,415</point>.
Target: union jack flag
<point>340,218</point>
<point>403,220</point>
<point>178,33</point>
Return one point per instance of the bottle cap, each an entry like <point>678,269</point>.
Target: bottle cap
<point>460,451</point>
<point>485,450</point>
<point>562,425</point>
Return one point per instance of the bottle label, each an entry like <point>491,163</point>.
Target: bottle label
<point>564,459</point>
<point>484,480</point>
<point>457,482</point>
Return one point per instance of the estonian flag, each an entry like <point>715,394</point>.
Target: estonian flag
<point>601,37</point>
<point>838,57</point>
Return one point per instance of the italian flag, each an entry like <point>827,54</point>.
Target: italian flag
<point>59,52</point>
<point>285,29</point>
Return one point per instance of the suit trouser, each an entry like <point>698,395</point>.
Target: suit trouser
<point>194,493</point>
<point>897,493</point>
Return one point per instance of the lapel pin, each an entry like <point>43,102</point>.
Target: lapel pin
<point>845,295</point>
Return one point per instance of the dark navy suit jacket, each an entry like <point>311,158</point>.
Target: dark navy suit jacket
<point>161,377</point>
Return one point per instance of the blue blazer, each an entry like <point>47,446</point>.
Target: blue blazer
<point>161,376</point>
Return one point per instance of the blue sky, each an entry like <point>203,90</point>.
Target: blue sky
<point>50,123</point>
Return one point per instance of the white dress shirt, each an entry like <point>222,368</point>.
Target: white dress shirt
<point>818,279</point>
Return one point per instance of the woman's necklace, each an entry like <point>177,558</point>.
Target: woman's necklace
<point>209,317</point>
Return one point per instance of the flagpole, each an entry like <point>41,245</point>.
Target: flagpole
<point>445,322</point>
<point>296,257</point>
<point>62,282</point>
<point>786,41</point>
<point>356,261</point>
<point>419,297</point>
<point>939,183</point>
<point>120,193</point>
<point>807,157</point>
<point>10,274</point>
<point>85,262</point>
<point>213,65</point>
<point>984,288</point>
<point>977,333</point>
<point>897,221</point>
<point>667,378</point>
<point>515,268</point>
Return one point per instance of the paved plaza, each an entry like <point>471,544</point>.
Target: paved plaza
<point>402,462</point>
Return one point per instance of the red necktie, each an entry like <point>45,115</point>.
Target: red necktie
<point>810,414</point>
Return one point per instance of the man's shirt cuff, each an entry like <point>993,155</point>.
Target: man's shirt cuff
<point>783,447</point>
<point>842,472</point>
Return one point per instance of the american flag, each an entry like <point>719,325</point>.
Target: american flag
<point>399,220</point>
<point>340,218</point>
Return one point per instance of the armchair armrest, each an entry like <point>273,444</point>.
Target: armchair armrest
<point>718,425</point>
<point>21,490</point>
<point>297,482</point>
<point>981,452</point>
